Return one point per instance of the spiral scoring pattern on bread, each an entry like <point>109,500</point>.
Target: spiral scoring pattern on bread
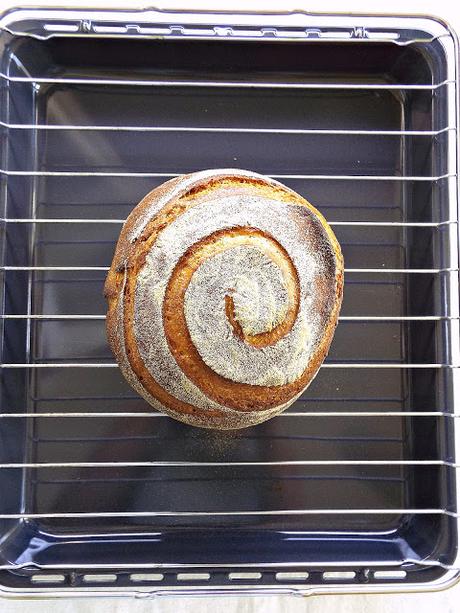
<point>223,297</point>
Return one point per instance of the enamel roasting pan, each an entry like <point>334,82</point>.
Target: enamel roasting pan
<point>354,488</point>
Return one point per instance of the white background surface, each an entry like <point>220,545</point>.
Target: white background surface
<point>442,602</point>
<point>446,601</point>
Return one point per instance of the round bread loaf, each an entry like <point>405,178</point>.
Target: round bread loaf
<point>223,297</point>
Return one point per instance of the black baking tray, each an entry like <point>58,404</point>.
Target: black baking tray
<point>194,477</point>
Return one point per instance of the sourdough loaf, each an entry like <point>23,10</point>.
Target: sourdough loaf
<point>223,297</point>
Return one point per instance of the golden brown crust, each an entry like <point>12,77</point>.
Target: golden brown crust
<point>254,403</point>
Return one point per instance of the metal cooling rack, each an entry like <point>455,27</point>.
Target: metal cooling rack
<point>26,267</point>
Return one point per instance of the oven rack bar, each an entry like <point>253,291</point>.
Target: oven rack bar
<point>222,83</point>
<point>222,130</point>
<point>356,318</point>
<point>156,415</point>
<point>357,365</point>
<point>177,464</point>
<point>426,562</point>
<point>140,514</point>
<point>347,270</point>
<point>370,224</point>
<point>166,175</point>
